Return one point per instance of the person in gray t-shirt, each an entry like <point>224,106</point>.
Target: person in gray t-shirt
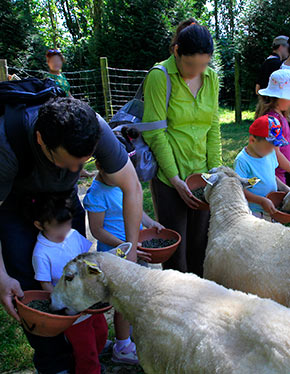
<point>62,137</point>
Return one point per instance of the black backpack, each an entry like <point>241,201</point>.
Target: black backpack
<point>16,97</point>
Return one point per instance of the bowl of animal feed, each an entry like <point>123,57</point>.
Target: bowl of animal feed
<point>38,319</point>
<point>277,199</point>
<point>196,185</point>
<point>98,308</point>
<point>161,245</point>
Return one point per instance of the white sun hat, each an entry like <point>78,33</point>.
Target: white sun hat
<point>278,86</point>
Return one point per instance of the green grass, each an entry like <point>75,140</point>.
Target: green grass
<point>15,353</point>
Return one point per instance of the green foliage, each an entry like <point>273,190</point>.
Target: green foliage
<point>137,33</point>
<point>13,31</point>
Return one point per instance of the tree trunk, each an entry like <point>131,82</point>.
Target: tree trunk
<point>217,32</point>
<point>53,23</point>
<point>97,15</point>
<point>238,109</point>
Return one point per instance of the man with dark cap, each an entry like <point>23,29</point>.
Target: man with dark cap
<point>273,62</point>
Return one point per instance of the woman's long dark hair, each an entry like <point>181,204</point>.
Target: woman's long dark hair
<point>192,38</point>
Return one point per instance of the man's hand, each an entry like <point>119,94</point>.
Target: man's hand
<point>9,287</point>
<point>184,192</point>
<point>268,206</point>
<point>127,180</point>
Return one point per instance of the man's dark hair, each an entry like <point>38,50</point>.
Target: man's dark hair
<point>68,123</point>
<point>192,38</point>
<point>46,207</point>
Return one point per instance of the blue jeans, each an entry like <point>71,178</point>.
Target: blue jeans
<point>51,355</point>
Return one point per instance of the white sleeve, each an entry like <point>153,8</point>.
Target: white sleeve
<point>85,244</point>
<point>42,269</point>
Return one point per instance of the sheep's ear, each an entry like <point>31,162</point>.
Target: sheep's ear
<point>210,179</point>
<point>213,170</point>
<point>93,268</point>
<point>249,183</point>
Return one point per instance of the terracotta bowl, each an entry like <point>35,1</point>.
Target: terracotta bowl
<point>277,198</point>
<point>159,255</point>
<point>98,311</point>
<point>40,323</point>
<point>194,182</point>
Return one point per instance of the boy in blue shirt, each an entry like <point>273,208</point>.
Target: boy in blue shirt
<point>258,159</point>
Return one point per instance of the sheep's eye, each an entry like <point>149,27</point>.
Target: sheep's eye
<point>69,277</point>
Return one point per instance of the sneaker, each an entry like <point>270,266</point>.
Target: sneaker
<point>127,355</point>
<point>103,369</point>
<point>107,349</point>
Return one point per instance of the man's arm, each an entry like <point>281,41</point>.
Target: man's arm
<point>257,88</point>
<point>127,180</point>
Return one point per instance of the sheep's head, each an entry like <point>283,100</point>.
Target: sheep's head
<point>216,175</point>
<point>81,285</point>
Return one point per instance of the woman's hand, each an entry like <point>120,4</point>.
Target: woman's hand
<point>184,192</point>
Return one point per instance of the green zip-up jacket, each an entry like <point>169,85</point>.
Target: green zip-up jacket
<point>192,141</point>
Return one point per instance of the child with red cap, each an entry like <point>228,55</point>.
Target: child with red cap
<point>258,159</point>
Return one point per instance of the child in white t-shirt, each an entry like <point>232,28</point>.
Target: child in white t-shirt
<point>57,244</point>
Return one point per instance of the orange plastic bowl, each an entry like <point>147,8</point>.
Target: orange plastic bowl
<point>277,198</point>
<point>159,255</point>
<point>194,182</point>
<point>41,323</point>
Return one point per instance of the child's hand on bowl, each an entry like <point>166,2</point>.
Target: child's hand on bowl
<point>143,255</point>
<point>157,225</point>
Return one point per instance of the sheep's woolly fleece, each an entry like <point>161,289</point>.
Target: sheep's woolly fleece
<point>244,252</point>
<point>182,324</point>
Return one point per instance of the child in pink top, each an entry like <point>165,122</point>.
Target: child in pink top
<point>280,173</point>
<point>275,101</point>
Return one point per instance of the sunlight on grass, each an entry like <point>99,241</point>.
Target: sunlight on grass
<point>228,115</point>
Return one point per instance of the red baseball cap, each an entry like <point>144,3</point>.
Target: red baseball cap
<point>270,128</point>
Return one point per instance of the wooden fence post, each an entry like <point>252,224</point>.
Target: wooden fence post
<point>106,88</point>
<point>3,70</point>
<point>238,107</point>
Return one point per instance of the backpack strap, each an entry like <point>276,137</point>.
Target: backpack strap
<point>17,136</point>
<point>156,125</point>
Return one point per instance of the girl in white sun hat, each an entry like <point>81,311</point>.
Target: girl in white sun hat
<point>275,100</point>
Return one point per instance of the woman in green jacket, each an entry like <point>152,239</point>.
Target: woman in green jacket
<point>190,144</point>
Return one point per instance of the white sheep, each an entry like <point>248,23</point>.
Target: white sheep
<point>182,324</point>
<point>244,252</point>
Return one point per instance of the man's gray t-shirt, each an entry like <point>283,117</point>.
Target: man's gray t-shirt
<point>45,176</point>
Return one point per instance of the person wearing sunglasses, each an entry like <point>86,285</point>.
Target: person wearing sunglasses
<point>55,60</point>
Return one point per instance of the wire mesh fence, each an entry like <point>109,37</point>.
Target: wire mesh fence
<point>123,85</point>
<point>106,89</point>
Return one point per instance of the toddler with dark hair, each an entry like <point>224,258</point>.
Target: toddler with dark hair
<point>57,244</point>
